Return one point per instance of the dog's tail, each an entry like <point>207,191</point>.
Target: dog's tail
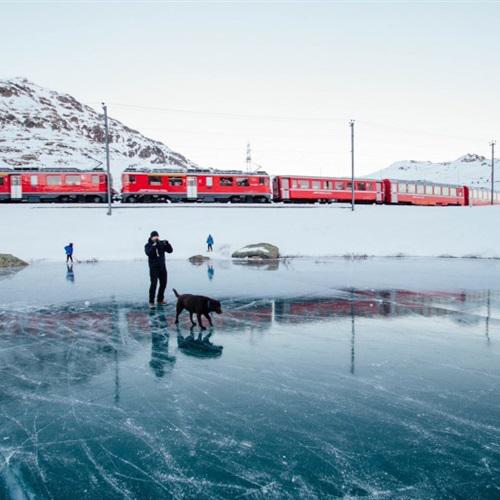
<point>175,292</point>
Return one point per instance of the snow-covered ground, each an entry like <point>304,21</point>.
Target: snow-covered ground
<point>34,232</point>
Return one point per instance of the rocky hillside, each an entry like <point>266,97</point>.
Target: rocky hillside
<point>470,169</point>
<point>43,128</point>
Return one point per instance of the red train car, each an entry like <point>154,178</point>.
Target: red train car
<point>166,185</point>
<point>326,189</point>
<point>63,185</point>
<point>5,184</point>
<point>403,192</point>
<point>480,196</point>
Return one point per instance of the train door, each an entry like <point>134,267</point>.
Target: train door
<point>16,189</point>
<point>192,188</point>
<point>394,192</point>
<point>379,195</point>
<point>285,189</point>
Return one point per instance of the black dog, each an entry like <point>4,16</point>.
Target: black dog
<point>197,304</point>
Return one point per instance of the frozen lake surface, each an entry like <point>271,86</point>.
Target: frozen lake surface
<point>376,378</point>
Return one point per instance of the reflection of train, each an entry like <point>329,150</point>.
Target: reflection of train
<point>170,185</point>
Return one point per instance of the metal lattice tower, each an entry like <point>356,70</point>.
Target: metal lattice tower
<point>249,158</point>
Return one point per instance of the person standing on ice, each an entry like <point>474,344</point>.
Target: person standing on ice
<point>155,249</point>
<point>69,252</point>
<point>210,243</point>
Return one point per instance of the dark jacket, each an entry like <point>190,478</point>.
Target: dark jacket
<point>156,253</point>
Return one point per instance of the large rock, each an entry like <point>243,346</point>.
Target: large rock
<point>8,260</point>
<point>198,259</point>
<point>257,251</point>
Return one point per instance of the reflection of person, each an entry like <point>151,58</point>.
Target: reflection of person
<point>155,250</point>
<point>210,243</point>
<point>159,345</point>
<point>210,272</point>
<point>69,252</point>
<point>70,275</point>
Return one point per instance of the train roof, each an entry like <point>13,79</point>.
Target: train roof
<point>200,171</point>
<point>427,183</point>
<point>294,176</point>
<point>47,169</point>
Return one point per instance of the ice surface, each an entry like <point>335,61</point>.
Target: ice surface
<point>343,378</point>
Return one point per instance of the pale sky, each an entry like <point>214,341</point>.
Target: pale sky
<point>420,79</point>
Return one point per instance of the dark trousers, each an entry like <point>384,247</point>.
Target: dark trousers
<point>69,257</point>
<point>210,248</point>
<point>157,274</point>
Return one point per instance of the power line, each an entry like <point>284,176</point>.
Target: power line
<point>226,114</point>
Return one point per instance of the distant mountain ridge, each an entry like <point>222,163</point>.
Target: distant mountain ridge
<point>44,128</point>
<point>470,169</point>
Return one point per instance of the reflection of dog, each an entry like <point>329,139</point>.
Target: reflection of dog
<point>197,304</point>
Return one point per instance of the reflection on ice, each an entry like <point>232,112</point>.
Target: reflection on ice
<point>353,392</point>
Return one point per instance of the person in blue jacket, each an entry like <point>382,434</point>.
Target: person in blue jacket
<point>210,243</point>
<point>69,252</point>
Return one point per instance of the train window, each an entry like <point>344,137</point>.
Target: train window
<point>428,189</point>
<point>284,183</point>
<point>73,180</point>
<point>154,180</point>
<point>328,184</point>
<point>420,189</point>
<point>453,191</point>
<point>304,183</point>
<point>379,186</point>
<point>410,188</point>
<point>403,188</point>
<point>446,191</point>
<point>226,181</point>
<point>349,185</point>
<point>242,181</point>
<point>53,180</point>
<point>34,180</point>
<point>2,181</point>
<point>209,181</point>
<point>95,179</point>
<point>131,179</point>
<point>262,181</point>
<point>437,190</point>
<point>176,181</point>
<point>316,184</point>
<point>295,183</point>
<point>339,185</point>
<point>362,186</point>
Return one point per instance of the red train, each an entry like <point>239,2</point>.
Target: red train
<point>170,185</point>
<point>235,186</point>
<point>63,185</point>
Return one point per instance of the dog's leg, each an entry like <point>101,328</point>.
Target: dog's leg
<point>209,319</point>
<point>179,309</point>
<point>193,322</point>
<point>200,323</point>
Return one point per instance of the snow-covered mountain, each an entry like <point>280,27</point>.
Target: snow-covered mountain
<point>43,128</point>
<point>470,169</point>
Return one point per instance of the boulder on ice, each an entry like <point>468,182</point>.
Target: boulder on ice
<point>257,251</point>
<point>8,260</point>
<point>198,259</point>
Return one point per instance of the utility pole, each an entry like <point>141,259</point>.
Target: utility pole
<point>351,124</point>
<point>105,109</point>
<point>492,144</point>
<point>249,158</point>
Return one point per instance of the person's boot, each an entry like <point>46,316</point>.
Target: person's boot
<point>161,302</point>
<point>151,305</point>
